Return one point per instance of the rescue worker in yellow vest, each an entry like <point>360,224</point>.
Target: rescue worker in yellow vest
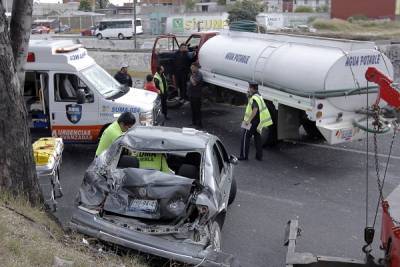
<point>125,121</point>
<point>152,161</point>
<point>161,84</point>
<point>256,118</point>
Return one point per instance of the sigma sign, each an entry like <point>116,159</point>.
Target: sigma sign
<point>190,24</point>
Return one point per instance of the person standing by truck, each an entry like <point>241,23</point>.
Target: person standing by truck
<point>195,85</point>
<point>183,58</point>
<point>256,118</point>
<point>161,84</point>
<point>123,76</point>
<point>149,84</point>
<point>125,121</point>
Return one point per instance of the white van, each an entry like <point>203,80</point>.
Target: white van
<point>118,28</point>
<point>68,93</point>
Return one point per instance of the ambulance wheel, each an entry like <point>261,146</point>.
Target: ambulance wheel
<point>121,36</point>
<point>99,36</point>
<point>270,135</point>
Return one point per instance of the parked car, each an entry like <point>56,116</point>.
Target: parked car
<point>89,31</point>
<point>40,30</point>
<point>62,28</point>
<point>176,214</point>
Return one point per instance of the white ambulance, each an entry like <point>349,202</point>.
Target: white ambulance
<point>68,93</point>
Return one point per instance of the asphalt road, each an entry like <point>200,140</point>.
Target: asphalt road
<point>324,186</point>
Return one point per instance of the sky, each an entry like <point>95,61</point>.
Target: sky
<point>115,2</point>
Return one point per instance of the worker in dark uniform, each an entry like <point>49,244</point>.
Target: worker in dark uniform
<point>195,86</point>
<point>161,84</point>
<point>256,118</point>
<point>123,76</point>
<point>183,58</point>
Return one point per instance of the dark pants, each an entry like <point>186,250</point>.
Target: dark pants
<point>195,104</point>
<point>164,108</point>
<point>245,144</point>
<point>181,82</point>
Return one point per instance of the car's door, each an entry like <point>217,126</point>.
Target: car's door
<point>71,120</point>
<point>222,170</point>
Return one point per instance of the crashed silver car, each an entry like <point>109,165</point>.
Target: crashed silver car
<point>176,214</point>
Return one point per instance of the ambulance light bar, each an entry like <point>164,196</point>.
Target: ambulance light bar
<point>68,48</point>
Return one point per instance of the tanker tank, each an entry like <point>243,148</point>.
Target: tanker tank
<point>304,66</point>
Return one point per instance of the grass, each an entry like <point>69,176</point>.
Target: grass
<point>30,237</point>
<point>357,29</point>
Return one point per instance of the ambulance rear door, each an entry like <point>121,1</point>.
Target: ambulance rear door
<point>73,118</point>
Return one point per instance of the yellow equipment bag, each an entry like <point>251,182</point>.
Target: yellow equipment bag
<point>46,149</point>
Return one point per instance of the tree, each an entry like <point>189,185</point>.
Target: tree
<point>84,5</point>
<point>100,4</point>
<point>245,10</point>
<point>190,4</point>
<point>221,2</point>
<point>17,169</point>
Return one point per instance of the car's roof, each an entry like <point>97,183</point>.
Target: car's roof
<point>166,138</point>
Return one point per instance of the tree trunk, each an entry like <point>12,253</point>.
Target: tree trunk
<point>20,31</point>
<point>17,169</point>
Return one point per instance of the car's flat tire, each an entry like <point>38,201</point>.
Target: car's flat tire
<point>232,193</point>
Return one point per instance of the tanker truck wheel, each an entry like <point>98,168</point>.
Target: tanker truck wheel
<point>311,129</point>
<point>270,136</point>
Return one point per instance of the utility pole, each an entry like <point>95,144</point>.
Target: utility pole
<point>134,24</point>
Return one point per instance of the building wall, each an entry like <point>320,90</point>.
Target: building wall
<point>343,9</point>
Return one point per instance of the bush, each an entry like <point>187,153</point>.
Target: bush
<point>332,25</point>
<point>357,18</point>
<point>322,9</point>
<point>304,9</point>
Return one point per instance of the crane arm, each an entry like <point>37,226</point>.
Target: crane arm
<point>386,91</point>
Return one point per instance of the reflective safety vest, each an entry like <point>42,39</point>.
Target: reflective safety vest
<point>152,161</point>
<point>265,117</point>
<point>160,82</point>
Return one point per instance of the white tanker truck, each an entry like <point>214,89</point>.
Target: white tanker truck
<point>318,83</point>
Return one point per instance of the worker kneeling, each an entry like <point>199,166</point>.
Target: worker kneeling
<point>152,161</point>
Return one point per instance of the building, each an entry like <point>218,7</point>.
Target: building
<point>276,6</point>
<point>377,9</point>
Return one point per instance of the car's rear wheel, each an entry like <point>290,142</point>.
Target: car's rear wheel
<point>232,193</point>
<point>99,36</point>
<point>121,36</point>
<point>215,239</point>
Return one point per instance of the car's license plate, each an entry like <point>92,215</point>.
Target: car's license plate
<point>144,205</point>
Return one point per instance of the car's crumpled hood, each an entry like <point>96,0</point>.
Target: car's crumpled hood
<point>127,188</point>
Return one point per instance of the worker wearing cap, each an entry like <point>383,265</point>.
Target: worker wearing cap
<point>123,76</point>
<point>125,121</point>
<point>195,86</point>
<point>256,118</point>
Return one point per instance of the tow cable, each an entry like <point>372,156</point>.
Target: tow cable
<point>369,231</point>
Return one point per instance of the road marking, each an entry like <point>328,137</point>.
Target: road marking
<point>277,199</point>
<point>347,150</point>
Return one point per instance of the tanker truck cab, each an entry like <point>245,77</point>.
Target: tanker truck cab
<point>67,93</point>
